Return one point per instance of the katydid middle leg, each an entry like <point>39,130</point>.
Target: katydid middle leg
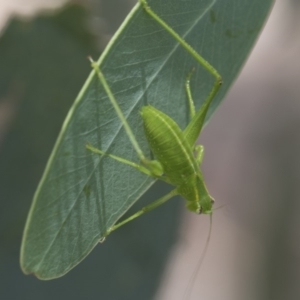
<point>125,161</point>
<point>154,166</point>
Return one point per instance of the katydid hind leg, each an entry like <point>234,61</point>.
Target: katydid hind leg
<point>194,127</point>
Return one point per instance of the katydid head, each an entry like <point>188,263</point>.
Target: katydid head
<point>202,206</point>
<point>198,198</point>
<point>206,201</point>
<point>206,204</point>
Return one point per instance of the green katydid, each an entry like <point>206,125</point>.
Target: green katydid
<point>177,155</point>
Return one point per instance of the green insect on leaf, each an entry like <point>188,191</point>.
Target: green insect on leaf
<point>173,148</point>
<point>150,94</point>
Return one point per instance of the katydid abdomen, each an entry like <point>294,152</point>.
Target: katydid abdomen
<point>168,145</point>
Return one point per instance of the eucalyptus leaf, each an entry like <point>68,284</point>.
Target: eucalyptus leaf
<point>81,195</point>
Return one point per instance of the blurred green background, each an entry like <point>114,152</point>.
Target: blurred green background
<point>251,164</point>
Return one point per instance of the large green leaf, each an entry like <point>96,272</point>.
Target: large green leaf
<point>81,195</point>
